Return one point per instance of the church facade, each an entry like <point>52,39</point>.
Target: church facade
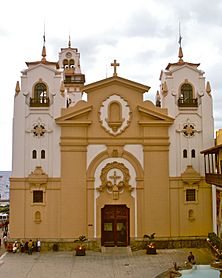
<point>115,166</point>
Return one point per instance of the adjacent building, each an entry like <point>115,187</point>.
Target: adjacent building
<point>213,171</point>
<point>4,186</point>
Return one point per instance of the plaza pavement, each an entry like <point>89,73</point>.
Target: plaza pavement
<point>113,263</point>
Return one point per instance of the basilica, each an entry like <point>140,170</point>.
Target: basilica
<point>112,166</point>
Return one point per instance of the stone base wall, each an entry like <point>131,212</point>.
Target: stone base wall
<point>170,243</point>
<point>135,244</point>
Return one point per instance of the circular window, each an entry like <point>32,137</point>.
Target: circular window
<point>188,130</point>
<point>39,130</point>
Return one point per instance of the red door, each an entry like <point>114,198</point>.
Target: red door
<point>115,225</point>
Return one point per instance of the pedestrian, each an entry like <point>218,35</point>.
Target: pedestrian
<point>191,258</point>
<point>5,240</point>
<point>30,245</point>
<point>38,244</point>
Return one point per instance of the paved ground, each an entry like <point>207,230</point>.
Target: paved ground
<point>114,263</point>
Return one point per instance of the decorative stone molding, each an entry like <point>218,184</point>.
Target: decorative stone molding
<point>190,176</point>
<point>189,129</point>
<point>39,128</point>
<point>37,217</point>
<point>38,177</point>
<point>115,114</point>
<point>110,175</point>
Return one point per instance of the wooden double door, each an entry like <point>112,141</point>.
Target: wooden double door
<point>115,225</point>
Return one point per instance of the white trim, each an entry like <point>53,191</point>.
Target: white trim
<point>132,182</point>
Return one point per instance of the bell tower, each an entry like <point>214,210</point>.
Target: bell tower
<point>73,79</point>
<point>187,97</point>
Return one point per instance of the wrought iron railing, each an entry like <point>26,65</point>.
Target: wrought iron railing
<point>192,102</point>
<point>39,102</point>
<point>74,79</point>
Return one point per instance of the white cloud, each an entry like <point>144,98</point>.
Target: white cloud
<point>142,35</point>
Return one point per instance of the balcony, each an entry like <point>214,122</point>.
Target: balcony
<point>39,102</point>
<point>215,179</point>
<point>192,102</point>
<point>74,79</point>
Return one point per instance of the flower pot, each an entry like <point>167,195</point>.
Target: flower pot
<point>151,248</point>
<point>80,251</point>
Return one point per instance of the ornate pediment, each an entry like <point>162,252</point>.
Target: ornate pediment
<point>152,114</point>
<point>38,176</point>
<point>75,115</point>
<point>190,176</point>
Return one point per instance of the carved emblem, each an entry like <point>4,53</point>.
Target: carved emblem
<point>39,130</point>
<point>115,179</point>
<point>115,114</point>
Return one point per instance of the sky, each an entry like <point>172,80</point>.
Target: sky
<point>141,35</point>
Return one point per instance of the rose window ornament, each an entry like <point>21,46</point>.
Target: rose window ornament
<point>39,130</point>
<point>189,130</point>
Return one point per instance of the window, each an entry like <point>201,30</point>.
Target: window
<point>65,63</point>
<point>193,153</point>
<point>191,215</point>
<point>37,217</point>
<point>40,96</point>
<point>34,154</point>
<point>186,92</point>
<point>40,91</point>
<point>42,154</point>
<point>37,196</point>
<point>184,153</point>
<point>190,195</point>
<point>186,98</point>
<point>71,63</point>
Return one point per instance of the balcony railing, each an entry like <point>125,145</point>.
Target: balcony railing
<point>74,79</point>
<point>39,102</point>
<point>187,102</point>
<point>215,179</point>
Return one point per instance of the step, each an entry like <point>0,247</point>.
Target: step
<point>125,251</point>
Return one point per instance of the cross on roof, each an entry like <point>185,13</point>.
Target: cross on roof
<point>115,64</point>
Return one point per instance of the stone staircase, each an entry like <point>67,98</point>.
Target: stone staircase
<point>117,251</point>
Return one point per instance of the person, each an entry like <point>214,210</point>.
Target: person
<point>15,247</point>
<point>175,266</point>
<point>5,240</point>
<point>191,258</point>
<point>38,245</point>
<point>30,247</point>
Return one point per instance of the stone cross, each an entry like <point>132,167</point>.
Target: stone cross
<point>114,177</point>
<point>115,64</point>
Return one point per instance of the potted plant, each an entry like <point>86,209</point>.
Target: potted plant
<point>150,244</point>
<point>80,248</point>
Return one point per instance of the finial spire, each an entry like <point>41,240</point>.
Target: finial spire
<point>69,44</point>
<point>180,55</point>
<point>17,88</point>
<point>44,48</point>
<point>158,99</point>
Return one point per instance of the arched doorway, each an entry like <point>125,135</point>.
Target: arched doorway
<point>115,225</point>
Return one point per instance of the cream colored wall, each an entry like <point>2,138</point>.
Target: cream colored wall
<point>181,225</point>
<point>156,213</point>
<point>73,191</point>
<point>22,210</point>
